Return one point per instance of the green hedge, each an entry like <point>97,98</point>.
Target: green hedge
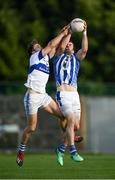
<point>90,89</point>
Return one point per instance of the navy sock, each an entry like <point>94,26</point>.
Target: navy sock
<point>62,148</point>
<point>72,150</point>
<point>22,147</point>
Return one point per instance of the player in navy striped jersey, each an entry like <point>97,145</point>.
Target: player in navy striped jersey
<point>66,69</point>
<point>36,96</point>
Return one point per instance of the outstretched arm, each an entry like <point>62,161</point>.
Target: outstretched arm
<point>52,45</point>
<point>65,40</point>
<point>84,46</point>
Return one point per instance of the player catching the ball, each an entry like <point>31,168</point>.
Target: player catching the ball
<point>66,68</point>
<point>36,96</point>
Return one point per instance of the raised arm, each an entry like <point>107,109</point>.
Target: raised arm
<point>84,46</point>
<point>52,45</point>
<point>65,40</point>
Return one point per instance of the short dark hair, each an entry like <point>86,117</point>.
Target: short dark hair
<point>30,46</point>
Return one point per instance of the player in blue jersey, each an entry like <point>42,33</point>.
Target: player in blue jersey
<point>36,96</point>
<point>66,68</point>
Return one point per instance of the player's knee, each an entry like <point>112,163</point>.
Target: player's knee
<point>70,123</point>
<point>76,126</point>
<point>31,129</point>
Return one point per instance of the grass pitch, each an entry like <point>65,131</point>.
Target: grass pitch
<point>45,166</point>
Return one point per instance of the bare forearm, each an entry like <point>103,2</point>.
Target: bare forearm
<point>65,41</point>
<point>84,41</point>
<point>54,42</point>
<point>63,33</point>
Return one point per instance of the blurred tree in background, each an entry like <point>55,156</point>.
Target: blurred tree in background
<point>21,21</point>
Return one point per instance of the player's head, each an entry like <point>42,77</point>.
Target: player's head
<point>33,47</point>
<point>69,48</point>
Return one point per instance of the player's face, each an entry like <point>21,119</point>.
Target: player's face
<point>36,47</point>
<point>69,47</point>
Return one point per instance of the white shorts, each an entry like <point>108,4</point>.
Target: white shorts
<point>69,102</point>
<point>33,101</point>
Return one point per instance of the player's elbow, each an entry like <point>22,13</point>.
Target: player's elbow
<point>85,50</point>
<point>83,54</point>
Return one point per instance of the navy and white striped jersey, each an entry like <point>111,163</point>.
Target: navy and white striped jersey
<point>38,72</point>
<point>66,68</point>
